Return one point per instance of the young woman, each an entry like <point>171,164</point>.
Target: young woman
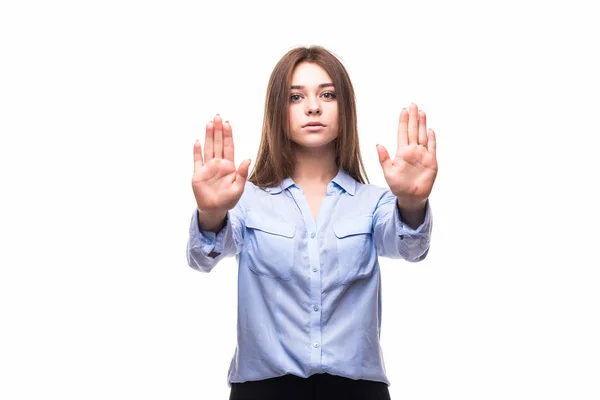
<point>307,230</point>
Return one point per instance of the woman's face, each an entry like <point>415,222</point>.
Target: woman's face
<point>313,107</point>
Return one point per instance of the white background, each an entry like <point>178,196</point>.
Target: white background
<point>101,102</point>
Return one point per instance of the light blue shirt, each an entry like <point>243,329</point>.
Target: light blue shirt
<point>309,292</point>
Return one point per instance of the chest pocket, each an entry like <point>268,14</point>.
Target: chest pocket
<point>270,245</point>
<point>354,241</point>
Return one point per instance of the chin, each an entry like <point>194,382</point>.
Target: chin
<point>315,144</point>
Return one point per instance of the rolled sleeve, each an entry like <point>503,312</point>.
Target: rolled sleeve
<point>403,229</point>
<point>205,249</point>
<point>396,239</point>
<point>414,242</point>
<point>208,242</point>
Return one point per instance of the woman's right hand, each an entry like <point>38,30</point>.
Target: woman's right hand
<point>216,183</point>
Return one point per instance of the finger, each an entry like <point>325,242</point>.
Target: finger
<point>228,152</point>
<point>422,128</point>
<point>198,162</point>
<point>413,124</point>
<point>242,174</point>
<point>218,140</point>
<point>208,142</point>
<point>431,142</point>
<point>384,158</point>
<point>403,129</point>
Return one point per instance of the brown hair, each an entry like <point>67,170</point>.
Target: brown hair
<point>275,159</point>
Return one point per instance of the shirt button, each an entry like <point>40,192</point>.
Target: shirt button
<point>312,235</point>
<point>314,270</point>
<point>316,308</point>
<point>316,345</point>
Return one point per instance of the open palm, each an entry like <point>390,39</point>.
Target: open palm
<point>217,184</point>
<point>412,172</point>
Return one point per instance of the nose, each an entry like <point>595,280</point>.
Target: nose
<point>313,107</point>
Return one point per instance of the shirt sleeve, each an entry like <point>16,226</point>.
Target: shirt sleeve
<point>394,238</point>
<point>205,249</point>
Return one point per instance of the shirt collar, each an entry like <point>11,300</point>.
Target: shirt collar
<point>342,179</point>
<point>345,181</point>
<point>287,182</point>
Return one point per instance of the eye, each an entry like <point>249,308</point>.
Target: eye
<point>329,95</point>
<point>294,98</point>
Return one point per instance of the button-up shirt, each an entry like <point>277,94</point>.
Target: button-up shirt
<point>309,291</point>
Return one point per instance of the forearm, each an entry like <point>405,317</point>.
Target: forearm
<point>412,215</point>
<point>206,248</point>
<point>211,221</point>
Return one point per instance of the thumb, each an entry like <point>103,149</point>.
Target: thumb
<point>242,173</point>
<point>384,158</point>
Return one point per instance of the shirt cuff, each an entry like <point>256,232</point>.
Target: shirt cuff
<point>209,242</point>
<point>403,229</point>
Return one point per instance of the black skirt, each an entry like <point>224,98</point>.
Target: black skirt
<point>315,387</point>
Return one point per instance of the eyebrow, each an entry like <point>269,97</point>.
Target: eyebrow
<point>322,85</point>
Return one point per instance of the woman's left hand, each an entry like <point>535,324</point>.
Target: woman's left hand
<point>412,172</point>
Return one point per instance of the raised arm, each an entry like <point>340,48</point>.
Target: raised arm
<point>403,217</point>
<point>412,172</point>
<point>217,224</point>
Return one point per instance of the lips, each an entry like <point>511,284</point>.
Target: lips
<point>313,124</point>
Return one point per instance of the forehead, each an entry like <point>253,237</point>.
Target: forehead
<point>310,74</point>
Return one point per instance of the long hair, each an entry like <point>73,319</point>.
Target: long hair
<point>275,159</point>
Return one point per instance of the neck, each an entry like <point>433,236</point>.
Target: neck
<point>314,167</point>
